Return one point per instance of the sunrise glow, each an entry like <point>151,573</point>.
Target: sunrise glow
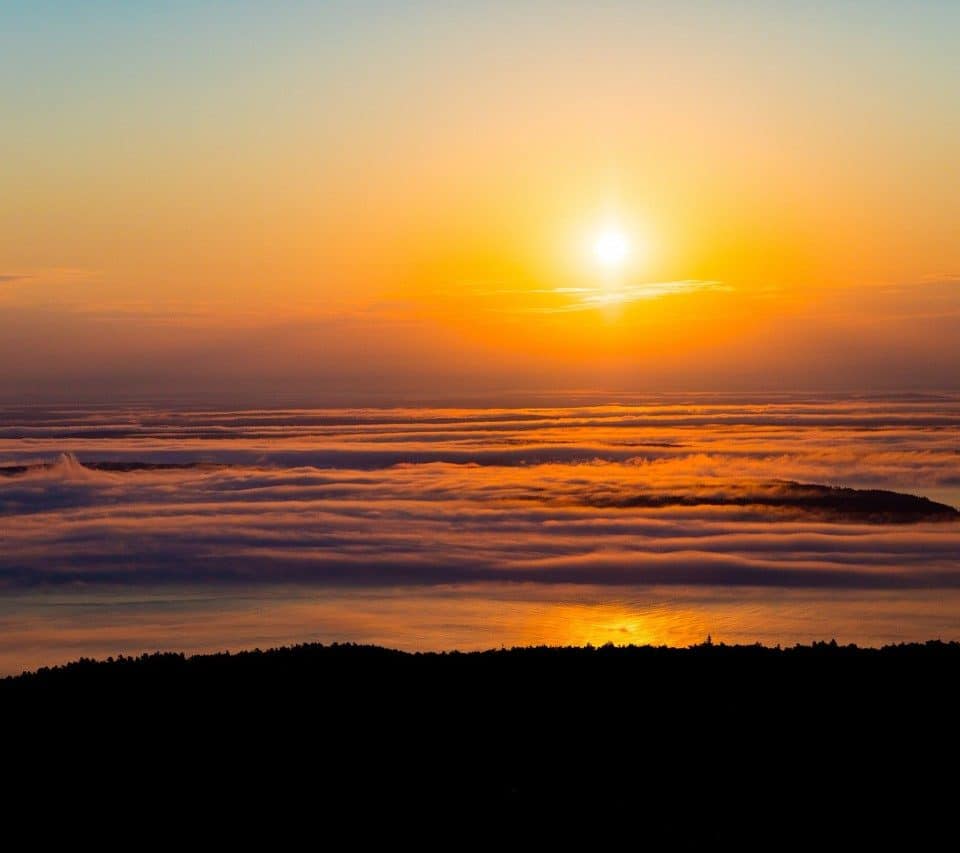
<point>458,326</point>
<point>611,248</point>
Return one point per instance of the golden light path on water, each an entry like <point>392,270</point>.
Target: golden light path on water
<point>41,628</point>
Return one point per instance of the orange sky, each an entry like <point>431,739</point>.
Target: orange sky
<point>399,198</point>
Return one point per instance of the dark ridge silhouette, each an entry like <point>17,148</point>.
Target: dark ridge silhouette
<point>304,657</point>
<point>747,745</point>
<point>828,502</point>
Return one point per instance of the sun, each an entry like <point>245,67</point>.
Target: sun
<point>611,248</point>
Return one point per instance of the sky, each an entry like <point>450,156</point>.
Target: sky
<point>365,201</point>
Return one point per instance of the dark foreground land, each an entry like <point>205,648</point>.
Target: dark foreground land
<point>742,745</point>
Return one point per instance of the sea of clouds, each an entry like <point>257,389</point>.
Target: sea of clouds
<point>145,497</point>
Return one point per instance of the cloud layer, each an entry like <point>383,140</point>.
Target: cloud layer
<point>668,496</point>
<point>661,494</point>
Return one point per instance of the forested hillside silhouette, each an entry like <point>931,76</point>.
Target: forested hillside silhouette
<point>709,742</point>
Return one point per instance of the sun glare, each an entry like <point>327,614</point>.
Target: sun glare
<point>610,248</point>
